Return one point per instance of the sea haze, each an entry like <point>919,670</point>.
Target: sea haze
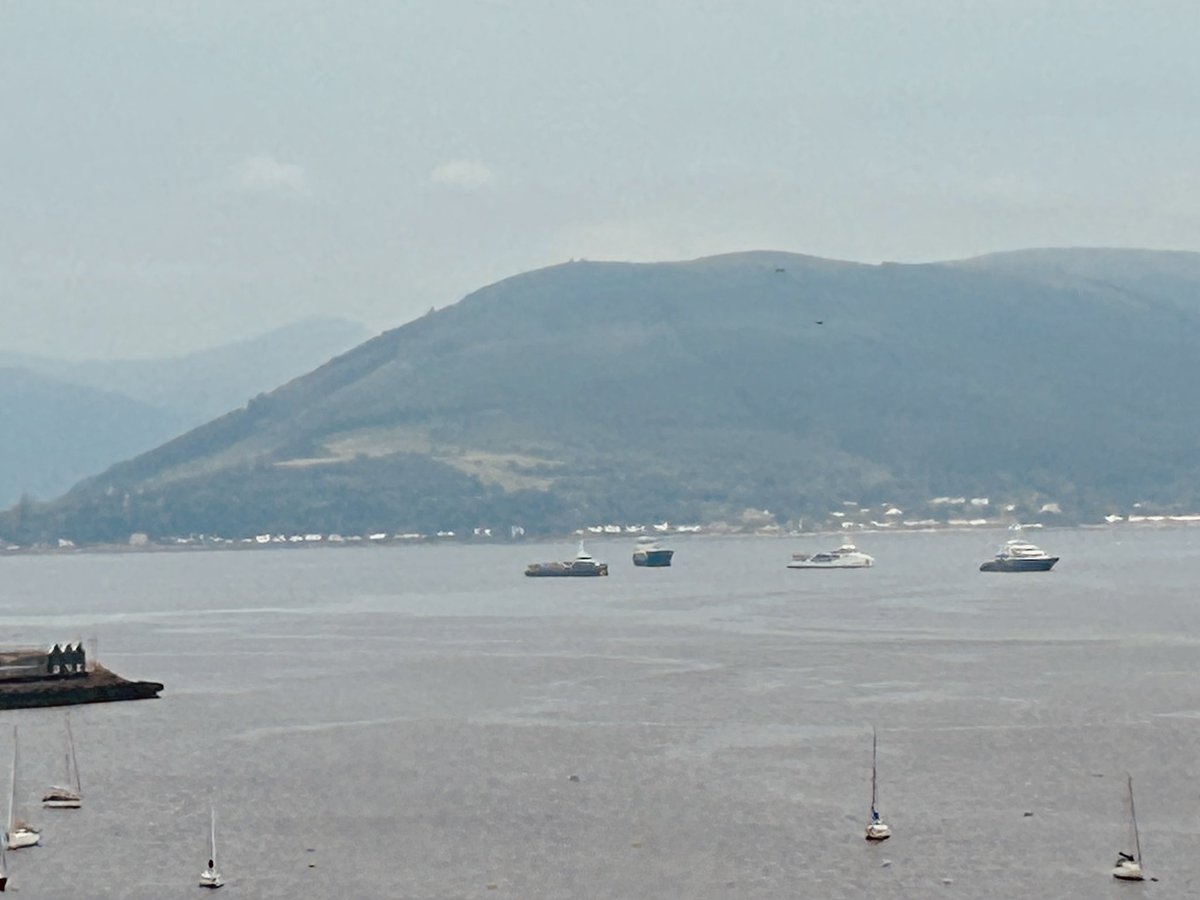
<point>405,721</point>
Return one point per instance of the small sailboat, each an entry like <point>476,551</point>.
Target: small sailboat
<point>3,866</point>
<point>211,877</point>
<point>71,797</point>
<point>1128,866</point>
<point>877,829</point>
<point>17,834</point>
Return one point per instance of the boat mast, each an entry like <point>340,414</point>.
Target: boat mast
<point>12,797</point>
<point>1137,842</point>
<point>874,751</point>
<point>72,762</point>
<point>212,837</point>
<point>11,804</point>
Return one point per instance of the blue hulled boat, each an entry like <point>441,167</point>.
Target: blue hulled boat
<point>649,554</point>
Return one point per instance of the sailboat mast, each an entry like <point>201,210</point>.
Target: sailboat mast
<point>72,762</point>
<point>212,837</point>
<point>67,755</point>
<point>12,797</point>
<point>1137,841</point>
<point>12,800</point>
<point>874,782</point>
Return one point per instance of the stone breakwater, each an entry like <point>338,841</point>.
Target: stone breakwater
<point>97,686</point>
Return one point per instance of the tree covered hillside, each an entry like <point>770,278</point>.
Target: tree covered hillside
<point>630,392</point>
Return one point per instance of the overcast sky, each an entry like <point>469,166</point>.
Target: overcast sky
<point>179,174</point>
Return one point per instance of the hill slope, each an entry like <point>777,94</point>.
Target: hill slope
<point>611,391</point>
<point>64,420</point>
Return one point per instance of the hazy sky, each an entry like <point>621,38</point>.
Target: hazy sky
<point>176,174</point>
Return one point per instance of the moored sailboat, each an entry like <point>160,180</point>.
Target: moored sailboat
<point>1128,866</point>
<point>877,829</point>
<point>17,834</point>
<point>70,797</point>
<point>211,876</point>
<point>3,866</point>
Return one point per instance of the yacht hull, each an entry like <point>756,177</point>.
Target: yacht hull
<point>849,564</point>
<point>558,570</point>
<point>1019,565</point>
<point>653,559</point>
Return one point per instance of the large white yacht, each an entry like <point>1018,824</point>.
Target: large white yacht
<point>846,556</point>
<point>1020,556</point>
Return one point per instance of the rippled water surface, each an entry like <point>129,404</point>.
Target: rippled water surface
<point>404,721</point>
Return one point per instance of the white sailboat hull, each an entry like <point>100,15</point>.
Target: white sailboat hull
<point>878,831</point>
<point>211,879</point>
<point>61,798</point>
<point>22,838</point>
<point>62,804</point>
<point>1128,871</point>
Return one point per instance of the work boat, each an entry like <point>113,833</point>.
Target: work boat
<point>846,556</point>
<point>581,565</point>
<point>1020,555</point>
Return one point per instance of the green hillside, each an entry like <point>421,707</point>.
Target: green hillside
<point>629,392</point>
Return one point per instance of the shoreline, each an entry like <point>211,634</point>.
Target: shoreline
<point>249,544</point>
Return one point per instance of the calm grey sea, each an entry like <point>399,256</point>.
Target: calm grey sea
<point>404,721</point>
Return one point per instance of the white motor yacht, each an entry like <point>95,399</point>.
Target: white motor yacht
<point>846,556</point>
<point>1020,555</point>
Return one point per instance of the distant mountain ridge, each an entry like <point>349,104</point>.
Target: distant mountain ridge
<point>207,383</point>
<point>634,392</point>
<point>53,434</point>
<point>61,421</point>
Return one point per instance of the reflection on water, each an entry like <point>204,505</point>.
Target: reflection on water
<point>406,722</point>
